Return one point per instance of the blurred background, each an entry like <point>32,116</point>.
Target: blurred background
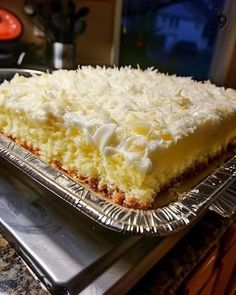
<point>188,38</point>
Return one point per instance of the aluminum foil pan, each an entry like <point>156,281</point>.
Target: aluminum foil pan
<point>160,221</point>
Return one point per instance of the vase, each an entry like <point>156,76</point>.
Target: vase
<point>63,55</point>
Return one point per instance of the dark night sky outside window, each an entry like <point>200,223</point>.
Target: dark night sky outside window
<point>176,37</point>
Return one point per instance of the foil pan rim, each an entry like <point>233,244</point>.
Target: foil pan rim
<point>154,222</point>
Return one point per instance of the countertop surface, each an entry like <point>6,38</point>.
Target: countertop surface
<point>15,277</point>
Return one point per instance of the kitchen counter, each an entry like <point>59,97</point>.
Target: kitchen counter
<point>164,278</point>
<point>170,274</point>
<point>15,277</point>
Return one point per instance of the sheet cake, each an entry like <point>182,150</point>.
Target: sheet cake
<point>126,133</point>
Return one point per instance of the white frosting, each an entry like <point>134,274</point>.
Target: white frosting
<point>129,112</point>
<point>103,134</point>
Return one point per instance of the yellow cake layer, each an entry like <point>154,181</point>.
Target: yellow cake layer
<point>133,130</point>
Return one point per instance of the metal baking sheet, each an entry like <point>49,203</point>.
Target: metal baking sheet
<point>70,253</point>
<point>161,221</point>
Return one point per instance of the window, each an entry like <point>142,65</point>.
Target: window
<point>182,43</point>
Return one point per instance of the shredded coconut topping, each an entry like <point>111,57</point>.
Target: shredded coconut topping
<point>124,111</point>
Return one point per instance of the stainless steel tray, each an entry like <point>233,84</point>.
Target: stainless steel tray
<point>161,221</point>
<point>69,252</point>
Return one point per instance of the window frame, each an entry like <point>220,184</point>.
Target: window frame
<point>223,51</point>
<point>224,48</point>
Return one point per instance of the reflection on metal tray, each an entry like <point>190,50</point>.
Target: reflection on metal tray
<point>160,221</point>
<point>8,73</point>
